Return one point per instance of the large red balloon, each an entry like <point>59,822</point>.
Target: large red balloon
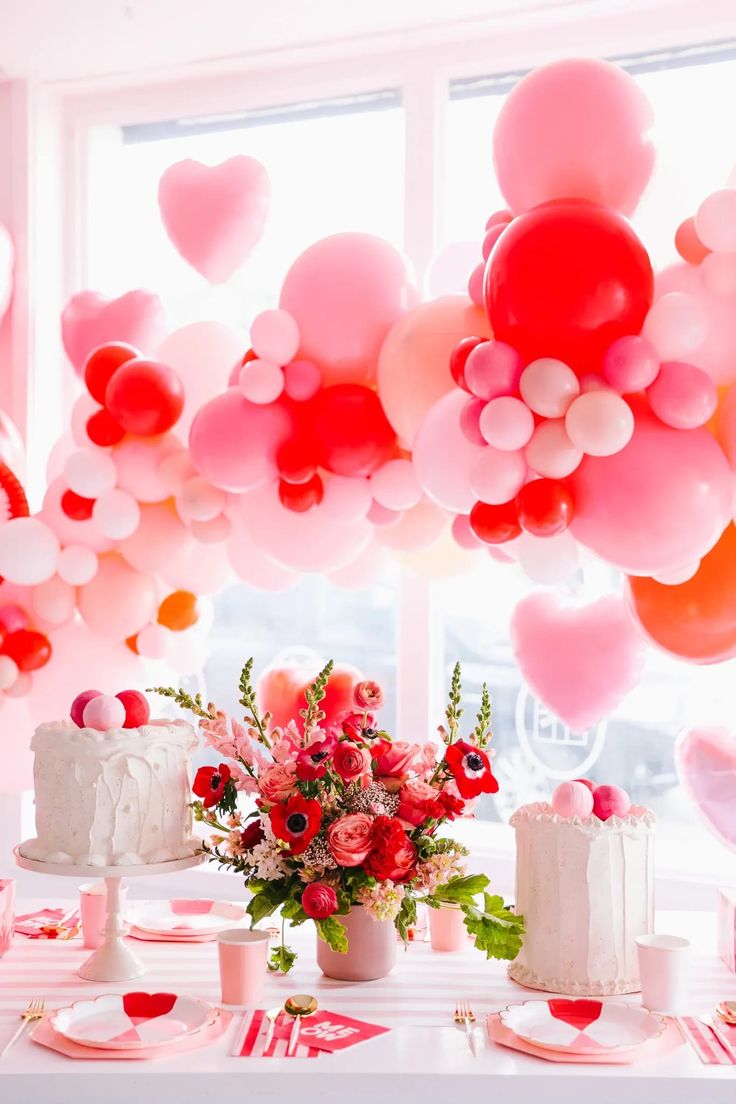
<point>145,397</point>
<point>545,507</point>
<point>695,620</point>
<point>353,433</point>
<point>566,280</point>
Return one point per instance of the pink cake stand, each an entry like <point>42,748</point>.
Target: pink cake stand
<point>113,960</point>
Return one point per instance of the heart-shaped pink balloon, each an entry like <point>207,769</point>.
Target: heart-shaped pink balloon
<point>581,662</point>
<point>89,320</point>
<point>706,765</point>
<point>214,215</point>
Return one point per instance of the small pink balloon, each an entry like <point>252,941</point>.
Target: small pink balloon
<point>676,325</point>
<point>715,221</point>
<point>302,380</point>
<point>572,799</point>
<point>706,766</point>
<point>550,452</point>
<point>470,421</point>
<point>497,476</point>
<point>13,618</point>
<point>104,712</point>
<point>261,381</point>
<point>463,534</point>
<point>507,423</point>
<point>492,236</point>
<point>631,364</point>
<point>610,801</point>
<point>548,386</point>
<point>683,396</point>
<point>151,641</point>
<point>475,284</point>
<point>718,273</point>
<point>382,517</point>
<point>499,218</point>
<point>274,336</point>
<point>174,470</point>
<point>600,423</point>
<point>395,485</point>
<point>346,498</point>
<point>198,500</point>
<point>116,514</point>
<point>54,601</point>
<point>77,564</point>
<point>80,703</point>
<point>493,369</point>
<point>21,687</point>
<point>677,575</point>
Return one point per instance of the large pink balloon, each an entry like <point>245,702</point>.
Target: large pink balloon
<point>119,600</point>
<point>89,320</point>
<point>254,566</point>
<point>714,354</point>
<point>662,502</point>
<point>346,292</point>
<point>706,765</point>
<point>414,366</point>
<point>202,355</point>
<point>215,214</point>
<point>444,458</point>
<point>234,442</point>
<point>575,129</point>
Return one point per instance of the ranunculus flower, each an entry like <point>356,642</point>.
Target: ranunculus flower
<point>351,762</point>
<point>367,695</point>
<point>394,856</point>
<point>296,822</point>
<point>209,784</point>
<point>418,801</point>
<point>397,760</point>
<point>311,762</point>
<point>471,769</point>
<point>252,834</point>
<point>278,782</point>
<point>319,901</point>
<point>350,838</point>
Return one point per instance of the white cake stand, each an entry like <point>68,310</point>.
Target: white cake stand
<point>114,960</point>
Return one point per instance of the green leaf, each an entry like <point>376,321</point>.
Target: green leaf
<point>264,902</point>
<point>460,891</point>
<point>292,910</point>
<point>498,931</point>
<point>333,933</point>
<point>407,916</point>
<point>282,959</point>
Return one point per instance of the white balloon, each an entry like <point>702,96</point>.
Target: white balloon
<point>8,672</point>
<point>152,641</point>
<point>116,514</point>
<point>89,472</point>
<point>77,564</point>
<point>28,551</point>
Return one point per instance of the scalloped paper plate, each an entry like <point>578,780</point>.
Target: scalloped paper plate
<point>182,917</point>
<point>127,1021</point>
<point>585,1026</point>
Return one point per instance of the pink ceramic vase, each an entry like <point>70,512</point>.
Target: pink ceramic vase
<point>371,953</point>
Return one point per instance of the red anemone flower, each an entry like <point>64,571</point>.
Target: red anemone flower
<point>296,822</point>
<point>471,769</point>
<point>210,783</point>
<point>311,762</point>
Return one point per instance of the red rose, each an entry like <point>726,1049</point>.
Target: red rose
<point>350,839</point>
<point>296,822</point>
<point>418,802</point>
<point>397,760</point>
<point>319,901</point>
<point>394,856</point>
<point>471,769</point>
<point>210,783</point>
<point>351,762</point>
<point>252,834</point>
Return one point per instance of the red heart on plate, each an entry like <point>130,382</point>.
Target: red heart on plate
<point>147,1006</point>
<point>191,908</point>
<point>89,320</point>
<point>576,1013</point>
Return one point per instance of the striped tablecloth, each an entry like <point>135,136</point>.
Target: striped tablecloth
<point>425,1058</point>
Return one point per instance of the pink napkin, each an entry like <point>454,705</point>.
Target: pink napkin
<point>251,1036</point>
<point>668,1041</point>
<point>710,1049</point>
<point>45,1035</point>
<point>33,923</point>
<point>171,937</point>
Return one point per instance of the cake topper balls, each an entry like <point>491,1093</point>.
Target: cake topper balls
<point>137,709</point>
<point>128,709</point>
<point>610,801</point>
<point>79,704</point>
<point>572,799</point>
<point>103,712</point>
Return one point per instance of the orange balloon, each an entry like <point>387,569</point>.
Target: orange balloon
<point>695,620</point>
<point>179,611</point>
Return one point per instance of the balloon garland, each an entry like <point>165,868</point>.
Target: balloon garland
<point>571,400</point>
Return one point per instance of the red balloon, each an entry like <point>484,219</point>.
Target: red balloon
<point>297,459</point>
<point>352,432</point>
<point>695,620</point>
<point>30,650</point>
<point>103,430</point>
<point>495,524</point>
<point>459,356</point>
<point>102,364</point>
<point>545,507</point>
<point>137,709</point>
<point>145,397</point>
<point>566,280</point>
<point>76,507</point>
<point>301,497</point>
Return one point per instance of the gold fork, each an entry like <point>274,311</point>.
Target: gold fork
<point>465,1016</point>
<point>34,1011</point>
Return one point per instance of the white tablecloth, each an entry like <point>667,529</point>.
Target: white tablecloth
<point>424,1059</point>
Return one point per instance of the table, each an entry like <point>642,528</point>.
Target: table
<point>425,1059</point>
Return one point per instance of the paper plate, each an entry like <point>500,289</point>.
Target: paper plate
<point>586,1026</point>
<point>126,1021</point>
<point>184,916</point>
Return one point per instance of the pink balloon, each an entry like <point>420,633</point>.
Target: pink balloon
<point>12,616</point>
<point>346,498</point>
<point>574,129</point>
<point>580,662</point>
<point>463,534</point>
<point>631,364</point>
<point>139,470</point>
<point>419,528</point>
<point>254,566</point>
<point>119,600</point>
<point>661,502</point>
<point>199,568</point>
<point>234,443</point>
<point>261,381</point>
<point>444,457</point>
<point>493,370</point>
<point>67,530</point>
<point>677,325</point>
<point>302,380</point>
<point>159,538</point>
<point>548,387</point>
<point>381,517</point>
<point>395,485</point>
<point>715,221</point>
<point>475,284</point>
<point>507,423</point>
<point>215,214</point>
<point>28,550</point>
<point>174,470</point>
<point>152,641</point>
<point>683,396</point>
<point>550,452</point>
<point>414,366</point>
<point>714,354</point>
<point>497,476</point>
<point>368,567</point>
<point>345,293</point>
<point>470,421</point>
<point>202,355</point>
<point>77,564</point>
<point>89,320</point>
<point>198,500</point>
<point>718,273</point>
<point>83,409</point>
<point>547,560</point>
<point>600,423</point>
<point>213,531</point>
<point>274,336</point>
<point>706,766</point>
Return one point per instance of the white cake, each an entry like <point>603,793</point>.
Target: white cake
<point>585,888</point>
<point>115,798</point>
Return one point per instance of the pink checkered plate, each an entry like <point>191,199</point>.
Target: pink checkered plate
<point>126,1021</point>
<point>183,917</point>
<point>585,1026</point>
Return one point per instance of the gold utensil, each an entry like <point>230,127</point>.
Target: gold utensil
<point>298,1006</point>
<point>272,1015</point>
<point>465,1016</point>
<point>34,1011</point>
<point>722,1015</point>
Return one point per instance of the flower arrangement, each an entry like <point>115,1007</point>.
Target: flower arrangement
<point>346,816</point>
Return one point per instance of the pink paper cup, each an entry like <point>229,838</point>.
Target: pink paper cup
<point>243,965</point>
<point>664,967</point>
<point>93,911</point>
<point>447,931</point>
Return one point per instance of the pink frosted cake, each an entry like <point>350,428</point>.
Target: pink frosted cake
<point>585,888</point>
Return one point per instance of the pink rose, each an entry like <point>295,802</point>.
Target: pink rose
<point>367,695</point>
<point>398,760</point>
<point>418,801</point>
<point>319,901</point>
<point>278,782</point>
<point>351,762</point>
<point>350,839</point>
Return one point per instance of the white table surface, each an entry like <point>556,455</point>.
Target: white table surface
<point>424,1059</point>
